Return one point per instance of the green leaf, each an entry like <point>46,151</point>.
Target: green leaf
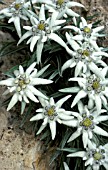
<point>65,138</point>
<point>70,90</point>
<point>71,150</point>
<point>25,117</point>
<point>10,48</point>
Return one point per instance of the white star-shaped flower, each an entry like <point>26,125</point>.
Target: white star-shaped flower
<point>51,113</point>
<point>42,30</point>
<point>84,57</point>
<point>16,12</point>
<point>22,85</point>
<point>94,156</point>
<point>86,33</point>
<point>61,7</point>
<point>87,123</point>
<point>92,86</point>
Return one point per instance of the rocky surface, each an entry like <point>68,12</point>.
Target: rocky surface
<point>19,150</point>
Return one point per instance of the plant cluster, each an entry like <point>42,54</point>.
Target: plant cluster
<point>64,78</point>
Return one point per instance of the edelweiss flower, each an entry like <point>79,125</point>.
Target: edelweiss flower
<point>61,7</point>
<point>52,113</point>
<point>16,12</point>
<point>86,123</point>
<point>41,30</point>
<point>96,88</point>
<point>84,57</point>
<point>86,33</point>
<point>94,156</point>
<point>22,85</point>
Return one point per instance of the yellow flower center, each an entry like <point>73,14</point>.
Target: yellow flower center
<point>97,156</point>
<point>17,6</point>
<point>87,30</point>
<point>86,53</point>
<point>50,111</point>
<point>41,26</point>
<point>96,85</point>
<point>87,122</point>
<point>21,82</point>
<point>60,2</point>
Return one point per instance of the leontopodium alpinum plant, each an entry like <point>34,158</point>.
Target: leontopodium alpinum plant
<point>64,78</point>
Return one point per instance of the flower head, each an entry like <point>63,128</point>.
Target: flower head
<point>41,30</point>
<point>16,12</point>
<point>63,8</point>
<point>52,112</point>
<point>86,33</point>
<point>87,123</point>
<point>92,86</point>
<point>94,156</point>
<point>22,85</point>
<point>84,57</point>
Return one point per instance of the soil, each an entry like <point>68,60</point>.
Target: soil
<point>19,150</point>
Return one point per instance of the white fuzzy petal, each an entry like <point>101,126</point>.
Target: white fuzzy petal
<point>17,25</point>
<point>40,72</point>
<point>89,161</point>
<point>78,68</point>
<point>39,51</point>
<point>26,35</point>
<point>37,117</point>
<point>98,103</point>
<point>57,39</point>
<point>74,136</point>
<point>95,69</point>
<point>100,131</point>
<point>30,68</point>
<point>81,94</point>
<point>65,166</point>
<point>41,129</point>
<point>61,101</point>
<point>37,81</point>
<point>71,123</point>
<point>80,107</point>
<point>36,92</point>
<point>52,125</point>
<point>31,96</point>
<point>21,70</point>
<point>13,101</point>
<point>72,13</point>
<point>97,29</point>
<point>42,13</point>
<point>66,65</point>
<point>77,154</point>
<point>72,4</point>
<point>8,82</point>
<point>33,42</point>
<point>85,138</point>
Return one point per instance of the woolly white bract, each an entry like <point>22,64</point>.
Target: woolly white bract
<point>87,123</point>
<point>16,11</point>
<point>94,156</point>
<point>51,113</point>
<point>62,7</point>
<point>92,86</point>
<point>42,30</point>
<point>84,57</point>
<point>22,85</point>
<point>86,33</point>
